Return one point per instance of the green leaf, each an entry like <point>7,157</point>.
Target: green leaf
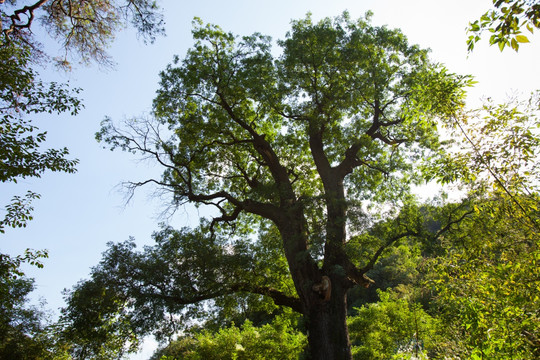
<point>522,39</point>
<point>514,44</point>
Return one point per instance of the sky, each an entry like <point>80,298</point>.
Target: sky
<point>80,213</point>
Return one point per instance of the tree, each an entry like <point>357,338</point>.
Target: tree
<point>505,23</point>
<point>132,293</point>
<point>487,283</point>
<point>486,287</point>
<point>85,29</point>
<point>298,142</point>
<point>20,324</point>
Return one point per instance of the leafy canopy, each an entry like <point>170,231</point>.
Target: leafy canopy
<point>291,144</point>
<point>243,128</point>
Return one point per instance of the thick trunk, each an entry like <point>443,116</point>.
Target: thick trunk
<point>322,292</point>
<point>328,335</point>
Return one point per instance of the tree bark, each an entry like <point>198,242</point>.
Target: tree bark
<point>322,291</point>
<point>328,334</point>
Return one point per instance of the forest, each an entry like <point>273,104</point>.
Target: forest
<point>305,159</point>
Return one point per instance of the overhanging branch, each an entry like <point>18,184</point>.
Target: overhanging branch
<point>277,296</point>
<point>16,24</point>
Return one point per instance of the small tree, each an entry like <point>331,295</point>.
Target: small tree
<point>277,340</point>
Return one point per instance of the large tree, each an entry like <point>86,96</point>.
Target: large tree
<point>303,142</point>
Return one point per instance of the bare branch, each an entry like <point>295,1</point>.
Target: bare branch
<point>15,25</point>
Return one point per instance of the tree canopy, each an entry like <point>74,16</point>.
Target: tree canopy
<point>303,143</point>
<point>84,28</point>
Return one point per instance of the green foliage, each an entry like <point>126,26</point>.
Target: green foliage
<point>21,155</point>
<point>100,330</point>
<point>505,23</point>
<point>486,278</point>
<point>85,29</point>
<point>165,287</point>
<point>277,340</point>
<point>497,152</point>
<point>393,328</point>
<point>22,94</point>
<point>18,212</point>
<point>21,328</point>
<point>228,89</point>
<point>397,266</point>
<point>487,286</point>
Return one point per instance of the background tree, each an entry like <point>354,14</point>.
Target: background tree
<point>393,328</point>
<point>342,116</point>
<point>487,283</point>
<point>85,29</point>
<point>487,286</point>
<point>20,324</point>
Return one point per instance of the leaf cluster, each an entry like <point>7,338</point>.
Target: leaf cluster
<point>505,23</point>
<point>486,286</point>
<point>276,340</point>
<point>22,94</point>
<point>21,325</point>
<point>162,289</point>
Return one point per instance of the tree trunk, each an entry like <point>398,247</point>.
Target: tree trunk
<point>322,292</point>
<point>328,334</point>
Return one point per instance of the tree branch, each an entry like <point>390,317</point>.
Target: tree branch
<point>383,247</point>
<point>277,296</point>
<point>263,147</point>
<point>16,18</point>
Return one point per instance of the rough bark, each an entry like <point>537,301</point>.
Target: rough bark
<point>322,292</point>
<point>328,334</point>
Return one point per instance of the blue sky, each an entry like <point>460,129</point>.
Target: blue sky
<point>78,214</point>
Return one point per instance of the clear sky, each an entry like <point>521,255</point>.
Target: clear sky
<point>78,214</point>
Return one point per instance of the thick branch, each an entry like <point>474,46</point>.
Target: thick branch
<point>16,18</point>
<point>263,147</point>
<point>450,223</point>
<point>351,160</point>
<point>277,296</point>
<point>319,157</point>
<point>383,247</point>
